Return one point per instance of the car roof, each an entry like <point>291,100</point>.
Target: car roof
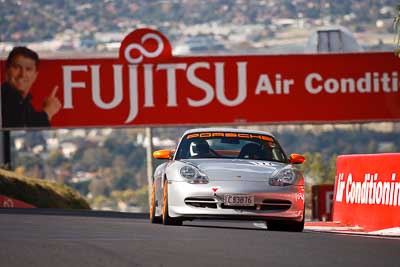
<point>228,130</point>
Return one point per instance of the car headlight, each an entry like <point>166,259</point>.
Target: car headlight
<point>193,175</point>
<point>283,178</point>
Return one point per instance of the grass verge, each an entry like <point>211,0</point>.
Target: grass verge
<point>40,193</point>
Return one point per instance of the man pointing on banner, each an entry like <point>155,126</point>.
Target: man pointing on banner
<point>16,107</point>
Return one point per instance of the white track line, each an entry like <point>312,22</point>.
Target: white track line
<point>391,233</point>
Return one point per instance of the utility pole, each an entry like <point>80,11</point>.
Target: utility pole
<point>5,149</point>
<point>149,157</point>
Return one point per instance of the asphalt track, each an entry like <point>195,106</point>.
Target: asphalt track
<point>70,238</point>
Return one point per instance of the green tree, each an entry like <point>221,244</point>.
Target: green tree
<point>56,158</point>
<point>125,181</point>
<point>99,187</point>
<point>318,170</point>
<point>94,157</point>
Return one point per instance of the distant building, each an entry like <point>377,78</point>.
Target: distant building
<point>332,40</point>
<point>199,44</point>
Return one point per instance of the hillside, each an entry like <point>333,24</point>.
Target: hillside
<point>94,25</point>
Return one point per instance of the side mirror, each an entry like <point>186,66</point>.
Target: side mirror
<point>163,154</point>
<point>296,158</point>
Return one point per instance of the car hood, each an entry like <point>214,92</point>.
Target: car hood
<point>237,169</point>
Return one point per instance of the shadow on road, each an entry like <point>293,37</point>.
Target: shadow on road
<point>83,213</point>
<point>225,225</point>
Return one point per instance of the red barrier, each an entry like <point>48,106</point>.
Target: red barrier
<point>322,202</point>
<point>367,191</point>
<point>7,202</point>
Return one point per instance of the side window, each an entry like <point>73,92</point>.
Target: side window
<point>183,151</point>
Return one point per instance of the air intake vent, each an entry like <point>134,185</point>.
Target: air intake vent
<point>276,204</point>
<point>201,202</point>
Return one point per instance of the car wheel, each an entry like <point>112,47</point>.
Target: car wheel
<point>152,211</point>
<point>166,220</point>
<point>289,226</point>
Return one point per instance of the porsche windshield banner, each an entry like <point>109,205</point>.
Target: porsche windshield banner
<point>148,86</point>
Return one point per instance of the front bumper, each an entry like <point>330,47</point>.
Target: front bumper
<point>200,201</point>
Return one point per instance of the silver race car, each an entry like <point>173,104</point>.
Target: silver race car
<point>223,173</point>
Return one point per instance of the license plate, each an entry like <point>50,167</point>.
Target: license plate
<point>238,200</point>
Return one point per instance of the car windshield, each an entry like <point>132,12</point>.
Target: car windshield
<point>230,145</point>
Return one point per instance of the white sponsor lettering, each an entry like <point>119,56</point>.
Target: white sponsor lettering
<point>171,81</point>
<point>196,81</point>
<point>260,163</point>
<point>117,87</point>
<point>340,187</point>
<point>369,192</point>
<point>133,93</point>
<point>371,82</point>
<point>280,86</point>
<point>8,203</point>
<point>150,74</point>
<point>300,196</point>
<point>242,84</point>
<point>69,84</point>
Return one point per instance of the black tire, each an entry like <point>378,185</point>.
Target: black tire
<point>288,226</point>
<point>295,226</point>
<point>166,220</point>
<point>275,225</point>
<point>152,211</point>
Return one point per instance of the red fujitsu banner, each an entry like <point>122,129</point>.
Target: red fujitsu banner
<point>367,191</point>
<point>146,86</point>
